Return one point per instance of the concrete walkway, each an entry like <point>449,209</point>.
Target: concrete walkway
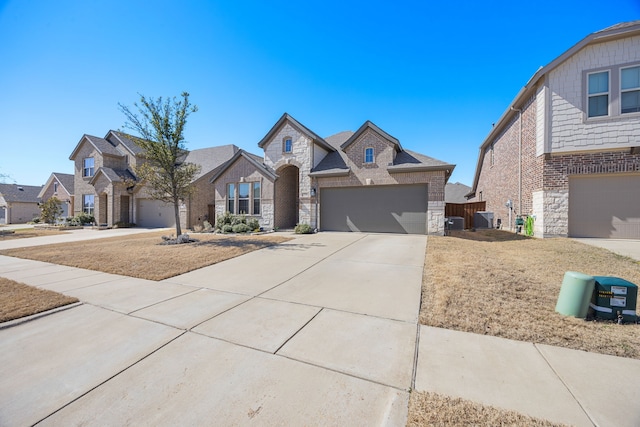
<point>321,330</point>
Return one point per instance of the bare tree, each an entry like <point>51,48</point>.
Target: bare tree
<point>160,124</point>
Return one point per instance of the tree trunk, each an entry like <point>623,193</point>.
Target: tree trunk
<point>177,213</point>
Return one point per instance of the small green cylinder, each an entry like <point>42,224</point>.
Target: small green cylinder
<point>575,294</point>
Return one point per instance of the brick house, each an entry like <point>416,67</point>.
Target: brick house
<point>105,184</point>
<point>567,149</point>
<point>60,185</point>
<point>19,203</point>
<point>351,181</point>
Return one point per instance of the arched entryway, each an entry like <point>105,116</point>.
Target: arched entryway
<point>286,197</point>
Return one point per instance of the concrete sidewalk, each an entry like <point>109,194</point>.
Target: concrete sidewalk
<point>320,330</point>
<point>625,247</point>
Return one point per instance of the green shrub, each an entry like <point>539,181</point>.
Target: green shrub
<point>239,219</point>
<point>253,224</point>
<point>224,219</point>
<point>227,228</point>
<point>241,228</point>
<point>303,229</point>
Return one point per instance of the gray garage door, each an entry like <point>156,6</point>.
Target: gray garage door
<point>154,213</point>
<point>606,206</point>
<point>385,209</point>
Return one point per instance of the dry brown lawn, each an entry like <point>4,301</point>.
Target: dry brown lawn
<point>143,256</point>
<point>496,283</point>
<point>19,300</point>
<point>23,233</point>
<point>431,409</point>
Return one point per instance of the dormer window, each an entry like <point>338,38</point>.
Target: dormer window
<point>368,155</point>
<point>287,145</point>
<point>87,167</point>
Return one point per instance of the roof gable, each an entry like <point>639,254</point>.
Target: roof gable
<point>286,118</point>
<point>101,145</point>
<point>251,158</point>
<point>113,175</point>
<point>116,137</point>
<point>65,179</point>
<point>370,125</point>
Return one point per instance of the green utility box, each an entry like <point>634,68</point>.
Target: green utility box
<point>613,296</point>
<point>575,294</point>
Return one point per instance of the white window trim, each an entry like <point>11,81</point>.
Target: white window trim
<point>93,208</point>
<point>608,93</point>
<point>92,168</point>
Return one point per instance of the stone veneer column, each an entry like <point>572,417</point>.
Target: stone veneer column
<point>435,218</point>
<point>556,218</point>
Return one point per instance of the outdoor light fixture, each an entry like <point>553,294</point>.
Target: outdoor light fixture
<point>313,191</point>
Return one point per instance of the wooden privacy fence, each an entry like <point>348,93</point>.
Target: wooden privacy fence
<point>465,210</point>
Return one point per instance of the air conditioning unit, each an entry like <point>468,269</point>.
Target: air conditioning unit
<point>455,223</point>
<point>483,220</point>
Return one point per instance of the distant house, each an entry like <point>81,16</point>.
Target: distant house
<point>352,181</point>
<point>19,203</point>
<point>106,186</point>
<point>567,149</point>
<point>456,193</point>
<point>59,185</point>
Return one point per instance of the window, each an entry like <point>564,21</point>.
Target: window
<point>243,198</point>
<point>87,166</point>
<point>55,187</point>
<point>287,145</point>
<point>231,198</point>
<point>598,93</point>
<point>256,198</point>
<point>244,201</point>
<point>368,155</point>
<point>88,203</point>
<point>492,157</point>
<point>630,90</point>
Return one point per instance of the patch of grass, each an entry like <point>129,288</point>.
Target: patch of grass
<point>431,409</point>
<point>509,288</point>
<point>24,233</point>
<point>143,255</point>
<point>19,300</point>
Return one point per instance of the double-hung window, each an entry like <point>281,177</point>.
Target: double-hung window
<point>231,198</point>
<point>88,203</point>
<point>630,90</point>
<point>87,167</point>
<point>243,198</point>
<point>368,155</point>
<point>256,198</point>
<point>598,94</point>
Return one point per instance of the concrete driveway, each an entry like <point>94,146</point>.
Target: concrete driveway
<point>319,330</point>
<point>625,247</point>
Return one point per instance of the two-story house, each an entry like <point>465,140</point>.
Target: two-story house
<point>567,149</point>
<point>351,181</point>
<point>105,184</point>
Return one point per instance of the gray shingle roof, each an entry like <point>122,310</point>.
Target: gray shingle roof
<point>114,175</point>
<point>302,128</point>
<point>252,158</point>
<point>116,137</point>
<point>20,193</point>
<point>210,158</point>
<point>454,193</point>
<point>104,146</point>
<point>370,125</point>
<point>66,180</point>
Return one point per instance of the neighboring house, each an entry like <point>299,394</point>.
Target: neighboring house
<point>456,193</point>
<point>59,185</point>
<point>19,203</point>
<point>567,150</point>
<point>351,181</point>
<point>106,186</point>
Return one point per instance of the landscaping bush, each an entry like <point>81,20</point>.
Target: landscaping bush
<point>241,228</point>
<point>303,229</point>
<point>253,224</point>
<point>81,219</point>
<point>227,228</point>
<point>224,219</point>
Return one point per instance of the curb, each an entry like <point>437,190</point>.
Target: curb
<point>16,322</point>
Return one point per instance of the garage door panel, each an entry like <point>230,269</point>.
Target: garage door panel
<point>384,209</point>
<point>605,206</point>
<point>154,214</point>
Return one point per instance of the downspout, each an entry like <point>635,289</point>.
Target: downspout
<point>519,160</point>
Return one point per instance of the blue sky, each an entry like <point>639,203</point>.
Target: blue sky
<point>435,75</point>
